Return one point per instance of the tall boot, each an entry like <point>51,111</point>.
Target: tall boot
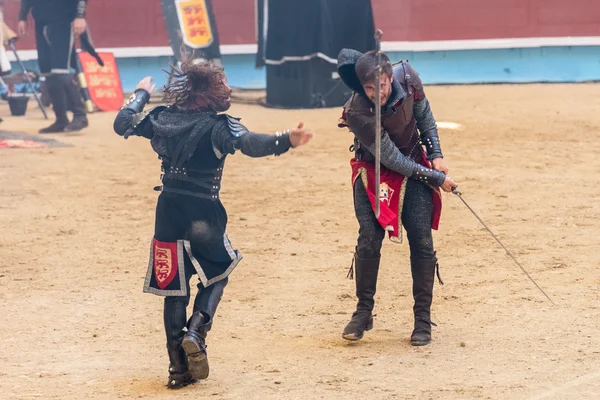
<point>179,373</point>
<point>194,345</point>
<point>366,284</point>
<point>423,274</point>
<point>208,299</point>
<point>194,341</point>
<point>174,320</point>
<point>58,96</point>
<point>75,102</point>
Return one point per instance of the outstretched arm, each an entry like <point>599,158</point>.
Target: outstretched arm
<point>232,135</point>
<point>260,144</point>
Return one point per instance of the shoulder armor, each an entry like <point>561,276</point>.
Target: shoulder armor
<point>409,78</point>
<point>235,126</point>
<point>140,117</point>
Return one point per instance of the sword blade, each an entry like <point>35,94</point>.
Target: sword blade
<point>459,194</point>
<point>378,35</point>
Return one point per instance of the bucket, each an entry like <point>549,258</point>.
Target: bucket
<point>17,104</point>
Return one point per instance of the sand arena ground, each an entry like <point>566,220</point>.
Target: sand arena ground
<point>76,224</point>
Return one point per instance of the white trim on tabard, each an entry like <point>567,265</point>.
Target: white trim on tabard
<point>265,26</point>
<point>438,45</point>
<point>235,256</point>
<point>301,58</point>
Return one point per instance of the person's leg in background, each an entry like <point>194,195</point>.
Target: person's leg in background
<point>62,85</point>
<point>45,64</point>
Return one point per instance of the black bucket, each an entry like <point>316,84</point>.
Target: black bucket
<point>18,104</point>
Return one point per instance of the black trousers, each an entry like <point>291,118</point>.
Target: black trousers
<point>54,41</point>
<point>175,316</point>
<point>56,58</point>
<point>417,212</point>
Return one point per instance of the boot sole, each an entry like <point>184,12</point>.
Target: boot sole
<point>353,337</point>
<point>42,132</point>
<point>75,130</point>
<point>420,342</point>
<point>197,359</point>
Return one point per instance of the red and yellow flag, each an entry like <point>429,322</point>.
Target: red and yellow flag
<point>195,23</point>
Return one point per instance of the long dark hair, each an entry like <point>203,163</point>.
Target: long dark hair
<point>196,83</point>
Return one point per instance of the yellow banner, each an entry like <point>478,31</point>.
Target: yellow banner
<point>195,23</point>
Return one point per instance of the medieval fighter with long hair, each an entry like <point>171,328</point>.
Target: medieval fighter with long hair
<point>192,141</point>
<point>409,194</point>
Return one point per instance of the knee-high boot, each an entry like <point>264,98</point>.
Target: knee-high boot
<point>367,270</point>
<point>58,97</point>
<point>194,341</point>
<point>423,274</point>
<point>174,320</point>
<point>75,102</point>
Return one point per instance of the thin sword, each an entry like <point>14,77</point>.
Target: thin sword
<point>459,194</point>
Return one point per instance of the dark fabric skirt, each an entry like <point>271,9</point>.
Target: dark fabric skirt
<point>188,231</point>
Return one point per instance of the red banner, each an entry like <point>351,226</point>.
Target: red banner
<point>166,263</point>
<point>104,83</point>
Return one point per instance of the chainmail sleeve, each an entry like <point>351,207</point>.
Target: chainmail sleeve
<point>428,129</point>
<point>393,159</point>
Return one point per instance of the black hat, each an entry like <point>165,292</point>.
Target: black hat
<point>345,66</point>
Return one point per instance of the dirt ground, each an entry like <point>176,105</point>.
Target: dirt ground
<point>76,224</point>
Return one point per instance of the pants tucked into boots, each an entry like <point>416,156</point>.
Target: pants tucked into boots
<point>189,362</point>
<point>56,55</point>
<point>65,94</point>
<point>423,274</point>
<point>76,105</point>
<point>416,218</point>
<point>366,270</point>
<point>56,91</point>
<point>175,319</point>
